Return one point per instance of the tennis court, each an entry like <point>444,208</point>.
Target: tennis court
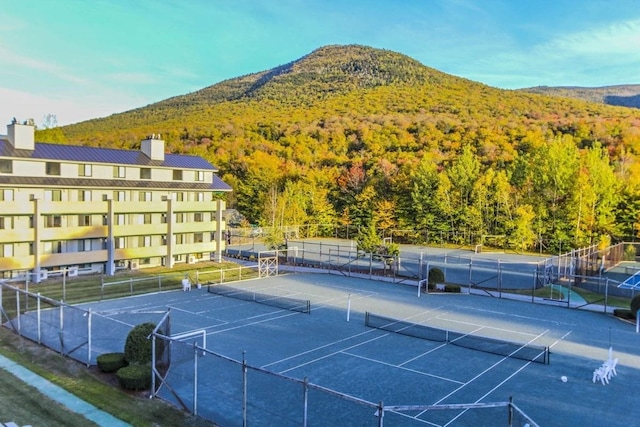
<point>331,347</point>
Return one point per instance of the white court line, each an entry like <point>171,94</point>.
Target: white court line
<point>405,369</point>
<point>502,313</point>
<point>330,344</point>
<point>478,376</point>
<point>505,380</point>
<point>532,334</point>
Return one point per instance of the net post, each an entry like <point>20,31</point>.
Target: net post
<point>348,307</point>
<point>510,420</point>
<point>380,414</point>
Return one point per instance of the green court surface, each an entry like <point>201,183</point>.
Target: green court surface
<point>332,348</point>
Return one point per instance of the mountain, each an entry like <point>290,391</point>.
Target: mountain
<point>620,95</point>
<point>363,136</point>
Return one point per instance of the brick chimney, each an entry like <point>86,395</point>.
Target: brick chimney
<point>153,147</point>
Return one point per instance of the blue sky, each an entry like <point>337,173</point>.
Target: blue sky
<point>82,59</point>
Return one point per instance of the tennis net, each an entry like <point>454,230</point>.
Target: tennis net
<point>287,303</point>
<point>529,352</point>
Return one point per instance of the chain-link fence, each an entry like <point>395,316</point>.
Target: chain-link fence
<point>233,393</point>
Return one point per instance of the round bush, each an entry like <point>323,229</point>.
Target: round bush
<point>452,288</point>
<point>111,362</point>
<point>137,348</point>
<point>435,276</point>
<point>135,377</point>
<point>635,305</point>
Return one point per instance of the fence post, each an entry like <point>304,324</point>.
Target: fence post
<point>18,311</point>
<point>195,378</point>
<point>39,319</point>
<point>244,390</point>
<point>62,328</point>
<point>89,337</point>
<point>305,400</point>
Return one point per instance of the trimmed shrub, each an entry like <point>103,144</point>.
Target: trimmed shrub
<point>111,362</point>
<point>452,288</point>
<point>635,305</point>
<point>135,377</point>
<point>137,348</point>
<point>435,276</point>
<point>623,314</point>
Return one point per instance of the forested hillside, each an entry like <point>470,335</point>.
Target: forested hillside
<point>621,95</point>
<point>362,136</point>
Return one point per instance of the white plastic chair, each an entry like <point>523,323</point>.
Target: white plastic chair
<point>610,368</point>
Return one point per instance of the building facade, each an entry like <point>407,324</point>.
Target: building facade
<point>76,209</point>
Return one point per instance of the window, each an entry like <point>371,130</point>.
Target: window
<point>53,195</point>
<point>6,222</point>
<point>163,240</point>
<point>145,173</point>
<point>52,221</point>
<point>84,220</point>
<point>180,239</point>
<point>199,197</point>
<point>6,195</point>
<point>197,217</point>
<point>147,218</point>
<point>119,172</point>
<point>84,195</point>
<point>163,218</point>
<point>119,196</point>
<point>30,248</point>
<point>84,245</point>
<point>178,197</point>
<point>118,242</point>
<point>199,175</point>
<point>198,238</point>
<point>179,217</point>
<point>52,168</point>
<point>6,166</point>
<point>84,170</point>
<point>177,174</point>
<point>119,219</point>
<point>144,241</point>
<point>144,196</point>
<point>53,247</point>
<point>7,250</point>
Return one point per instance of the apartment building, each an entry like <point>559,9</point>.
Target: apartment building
<point>78,209</point>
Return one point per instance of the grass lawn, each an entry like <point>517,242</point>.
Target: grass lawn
<point>24,405</point>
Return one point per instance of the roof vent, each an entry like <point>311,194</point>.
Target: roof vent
<point>153,147</point>
<point>21,136</point>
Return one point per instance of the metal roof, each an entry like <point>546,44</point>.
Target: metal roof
<point>49,181</point>
<point>82,154</point>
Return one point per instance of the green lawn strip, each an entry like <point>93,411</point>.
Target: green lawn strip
<point>590,297</point>
<point>25,405</point>
<point>76,378</point>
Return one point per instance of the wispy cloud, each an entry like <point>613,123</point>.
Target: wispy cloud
<point>596,57</point>
<point>619,39</point>
<point>12,59</point>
